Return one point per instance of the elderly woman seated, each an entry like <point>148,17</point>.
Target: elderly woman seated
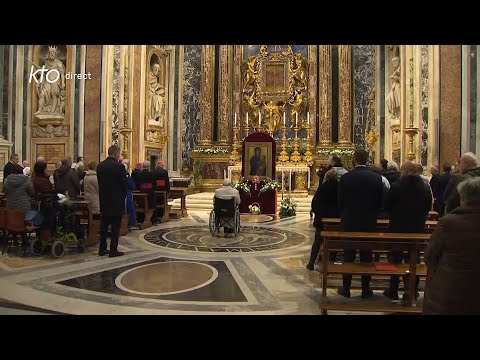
<point>90,185</point>
<point>19,190</point>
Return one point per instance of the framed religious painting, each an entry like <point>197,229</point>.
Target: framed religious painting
<point>258,160</point>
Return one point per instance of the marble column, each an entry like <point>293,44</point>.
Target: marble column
<point>450,102</point>
<point>92,100</point>
<point>206,95</point>
<point>325,96</point>
<point>225,95</point>
<point>312,92</point>
<point>345,94</point>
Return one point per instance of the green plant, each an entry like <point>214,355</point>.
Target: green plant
<point>211,151</point>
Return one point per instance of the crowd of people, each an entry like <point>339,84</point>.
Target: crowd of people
<point>108,186</point>
<point>405,196</point>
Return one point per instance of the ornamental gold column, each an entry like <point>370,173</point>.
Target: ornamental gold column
<point>312,93</point>
<point>345,94</point>
<point>225,117</point>
<point>325,96</point>
<point>207,95</point>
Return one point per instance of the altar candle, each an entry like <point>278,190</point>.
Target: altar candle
<point>259,119</point>
<point>308,118</point>
<point>296,118</point>
<point>235,121</point>
<point>247,118</point>
<point>284,118</point>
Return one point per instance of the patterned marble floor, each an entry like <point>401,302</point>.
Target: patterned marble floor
<point>174,268</point>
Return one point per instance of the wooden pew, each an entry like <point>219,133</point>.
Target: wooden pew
<point>382,224</point>
<point>373,241</point>
<point>84,211</point>
<point>140,201</point>
<point>175,193</point>
<point>161,202</point>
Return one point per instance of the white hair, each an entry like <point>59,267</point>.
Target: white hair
<point>227,182</point>
<point>126,163</point>
<point>146,164</point>
<point>470,159</point>
<point>392,165</point>
<point>469,191</point>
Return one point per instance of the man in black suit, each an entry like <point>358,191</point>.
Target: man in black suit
<point>359,202</point>
<point>8,169</point>
<point>112,186</point>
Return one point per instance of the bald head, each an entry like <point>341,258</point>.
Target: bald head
<point>408,168</point>
<point>467,161</point>
<point>227,182</point>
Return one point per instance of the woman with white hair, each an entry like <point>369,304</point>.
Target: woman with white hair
<point>452,257</point>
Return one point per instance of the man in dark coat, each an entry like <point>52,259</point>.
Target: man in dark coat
<point>408,204</point>
<point>452,257</point>
<point>8,169</point>
<point>324,205</point>
<point>468,167</point>
<point>146,185</point>
<point>359,202</point>
<point>442,183</point>
<point>67,180</point>
<point>112,186</point>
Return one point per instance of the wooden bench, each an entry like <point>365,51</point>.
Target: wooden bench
<point>161,204</point>
<point>413,243</point>
<point>333,224</point>
<point>140,201</point>
<point>175,193</point>
<point>84,211</point>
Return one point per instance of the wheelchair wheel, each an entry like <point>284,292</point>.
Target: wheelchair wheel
<point>36,247</point>
<point>212,223</point>
<point>237,222</point>
<point>58,249</point>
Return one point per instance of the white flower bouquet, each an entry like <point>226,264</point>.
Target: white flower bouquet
<point>288,207</point>
<point>270,185</point>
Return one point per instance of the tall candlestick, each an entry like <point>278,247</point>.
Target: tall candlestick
<point>284,118</point>
<point>296,118</point>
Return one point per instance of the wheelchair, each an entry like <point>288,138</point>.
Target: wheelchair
<point>224,214</point>
<point>60,229</point>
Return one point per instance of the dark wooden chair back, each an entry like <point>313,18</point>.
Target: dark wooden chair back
<point>3,222</point>
<point>15,221</point>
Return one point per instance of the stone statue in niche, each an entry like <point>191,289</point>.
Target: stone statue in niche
<point>156,114</point>
<point>393,98</point>
<point>51,94</point>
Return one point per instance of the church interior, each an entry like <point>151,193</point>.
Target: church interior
<point>263,119</point>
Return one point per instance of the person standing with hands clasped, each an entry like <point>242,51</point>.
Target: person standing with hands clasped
<point>112,185</point>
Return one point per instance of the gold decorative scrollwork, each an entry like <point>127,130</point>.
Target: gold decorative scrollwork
<point>271,81</point>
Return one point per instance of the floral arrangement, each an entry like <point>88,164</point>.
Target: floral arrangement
<point>243,186</point>
<point>338,152</point>
<point>270,185</point>
<point>288,207</point>
<point>254,209</point>
<point>212,151</point>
